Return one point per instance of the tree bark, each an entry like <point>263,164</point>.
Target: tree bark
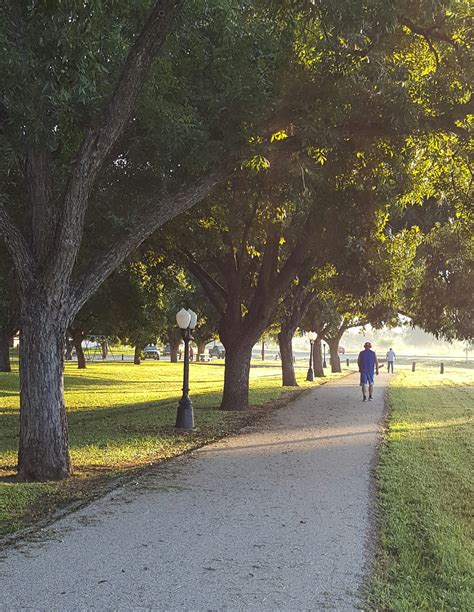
<point>5,365</point>
<point>236,376</point>
<point>69,346</point>
<point>318,359</point>
<point>333,344</point>
<point>81,358</point>
<point>295,307</point>
<point>104,345</point>
<point>137,355</point>
<point>77,338</point>
<point>285,338</point>
<point>201,349</point>
<point>43,451</point>
<point>175,342</point>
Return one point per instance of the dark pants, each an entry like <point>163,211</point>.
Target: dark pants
<point>390,366</point>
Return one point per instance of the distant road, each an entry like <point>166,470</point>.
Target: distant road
<point>272,354</point>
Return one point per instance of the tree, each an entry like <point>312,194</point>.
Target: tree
<point>8,312</point>
<point>44,266</point>
<point>129,305</point>
<point>71,91</point>
<point>245,247</point>
<point>438,295</point>
<point>206,329</point>
<point>291,313</point>
<point>82,125</point>
<point>386,271</point>
<point>293,309</point>
<point>440,291</point>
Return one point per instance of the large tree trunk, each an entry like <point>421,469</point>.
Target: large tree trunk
<point>175,342</point>
<point>104,345</point>
<point>285,338</point>
<point>81,358</point>
<point>236,376</point>
<point>69,347</point>
<point>333,344</point>
<point>43,451</point>
<point>201,349</point>
<point>77,337</point>
<point>137,355</point>
<point>5,365</point>
<point>318,359</point>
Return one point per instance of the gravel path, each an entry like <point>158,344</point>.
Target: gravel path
<point>276,518</point>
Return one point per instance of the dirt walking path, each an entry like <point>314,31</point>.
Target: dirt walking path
<point>276,518</point>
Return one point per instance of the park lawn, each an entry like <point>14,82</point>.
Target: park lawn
<point>121,419</point>
<point>425,559</point>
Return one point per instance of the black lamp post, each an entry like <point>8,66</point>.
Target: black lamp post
<point>186,320</point>
<point>312,338</point>
<point>324,356</point>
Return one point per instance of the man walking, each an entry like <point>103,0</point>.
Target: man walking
<point>367,362</point>
<point>390,359</point>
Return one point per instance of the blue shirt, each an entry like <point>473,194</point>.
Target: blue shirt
<point>366,361</point>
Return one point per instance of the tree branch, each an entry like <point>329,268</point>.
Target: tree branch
<point>247,228</point>
<point>216,294</point>
<point>43,212</point>
<point>427,33</point>
<point>153,216</point>
<point>100,139</point>
<point>300,299</point>
<point>18,248</point>
<point>267,272</point>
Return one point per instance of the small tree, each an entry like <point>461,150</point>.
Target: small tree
<point>8,312</point>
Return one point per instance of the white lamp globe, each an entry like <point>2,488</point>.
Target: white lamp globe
<point>194,318</point>
<point>183,319</point>
<point>312,335</point>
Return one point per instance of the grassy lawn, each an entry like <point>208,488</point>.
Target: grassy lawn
<point>121,418</point>
<point>426,558</point>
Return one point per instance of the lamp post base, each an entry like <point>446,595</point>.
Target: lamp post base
<point>185,415</point>
<point>310,374</point>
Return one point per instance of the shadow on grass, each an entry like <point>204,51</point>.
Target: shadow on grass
<point>9,393</point>
<point>127,420</point>
<point>9,384</point>
<point>422,389</point>
<point>276,365</point>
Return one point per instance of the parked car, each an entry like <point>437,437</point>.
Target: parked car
<point>166,350</point>
<point>151,352</point>
<point>217,352</point>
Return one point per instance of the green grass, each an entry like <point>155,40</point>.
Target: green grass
<point>121,419</point>
<point>425,475</point>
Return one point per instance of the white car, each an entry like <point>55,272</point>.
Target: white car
<point>151,352</point>
<point>217,351</point>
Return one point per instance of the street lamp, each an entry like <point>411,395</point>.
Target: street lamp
<point>324,356</point>
<point>312,337</point>
<point>186,320</point>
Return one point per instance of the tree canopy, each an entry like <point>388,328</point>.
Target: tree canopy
<point>114,119</point>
